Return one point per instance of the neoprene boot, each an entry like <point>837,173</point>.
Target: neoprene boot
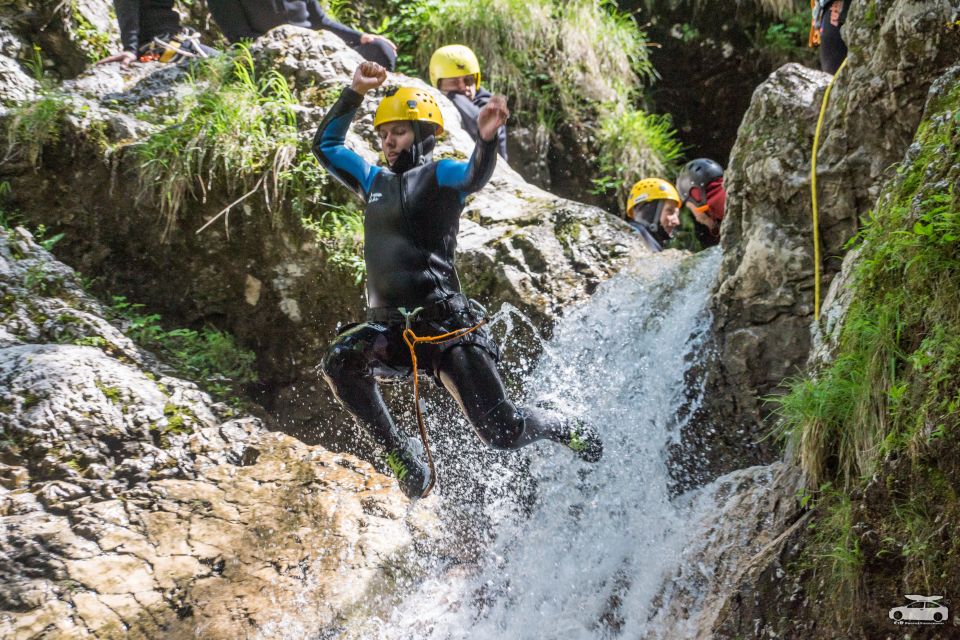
<point>412,473</point>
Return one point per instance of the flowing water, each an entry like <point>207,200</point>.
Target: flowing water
<point>554,548</point>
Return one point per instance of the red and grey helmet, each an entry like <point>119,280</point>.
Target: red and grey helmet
<point>694,178</point>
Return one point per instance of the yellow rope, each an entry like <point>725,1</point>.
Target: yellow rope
<point>813,191</point>
<point>412,340</point>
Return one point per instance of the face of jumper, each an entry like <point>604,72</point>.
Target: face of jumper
<point>670,217</point>
<point>466,85</point>
<point>395,138</point>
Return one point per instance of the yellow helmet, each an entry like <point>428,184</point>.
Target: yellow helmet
<point>453,61</point>
<point>408,103</point>
<point>650,189</point>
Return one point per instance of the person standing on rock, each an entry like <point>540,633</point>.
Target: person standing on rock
<point>653,210</point>
<point>411,220</point>
<point>250,19</point>
<point>455,71</point>
<point>150,30</point>
<point>700,185</point>
<point>828,17</point>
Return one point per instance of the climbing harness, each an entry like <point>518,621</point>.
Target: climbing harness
<point>813,192</point>
<point>412,340</point>
<point>185,44</point>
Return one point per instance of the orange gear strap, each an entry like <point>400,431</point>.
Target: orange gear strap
<point>412,340</point>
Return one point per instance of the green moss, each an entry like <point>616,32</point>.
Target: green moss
<point>96,43</point>
<point>886,407</point>
<point>113,394</point>
<point>35,125</point>
<point>177,421</point>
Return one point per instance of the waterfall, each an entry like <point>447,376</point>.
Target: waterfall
<point>555,548</point>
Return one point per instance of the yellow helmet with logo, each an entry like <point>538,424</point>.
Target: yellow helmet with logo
<point>650,189</point>
<point>409,103</point>
<point>453,61</point>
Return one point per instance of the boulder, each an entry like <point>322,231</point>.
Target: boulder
<point>131,505</point>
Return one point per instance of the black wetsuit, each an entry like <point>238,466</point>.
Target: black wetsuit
<point>250,19</point>
<point>141,21</point>
<point>410,238</point>
<point>470,109</point>
<point>655,242</point>
<point>833,50</point>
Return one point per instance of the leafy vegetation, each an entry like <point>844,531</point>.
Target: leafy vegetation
<point>560,63</point>
<point>208,356</point>
<point>35,124</point>
<point>237,129</point>
<point>880,422</point>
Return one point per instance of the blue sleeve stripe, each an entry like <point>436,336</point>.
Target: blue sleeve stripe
<point>452,174</point>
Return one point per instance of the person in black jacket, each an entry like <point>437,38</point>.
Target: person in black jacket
<point>410,226</point>
<point>455,71</point>
<point>250,19</point>
<point>151,30</point>
<point>828,17</point>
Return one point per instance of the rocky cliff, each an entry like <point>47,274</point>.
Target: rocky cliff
<point>133,506</point>
<point>87,159</point>
<point>763,302</point>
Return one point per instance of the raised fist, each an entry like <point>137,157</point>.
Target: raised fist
<point>369,75</point>
<point>492,116</point>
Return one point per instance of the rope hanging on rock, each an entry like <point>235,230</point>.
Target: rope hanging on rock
<point>412,340</point>
<point>813,191</point>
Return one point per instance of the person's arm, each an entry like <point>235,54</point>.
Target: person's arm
<point>328,146</point>
<point>230,17</point>
<point>468,177</point>
<point>320,20</point>
<point>128,18</point>
<point>328,143</point>
<point>468,110</point>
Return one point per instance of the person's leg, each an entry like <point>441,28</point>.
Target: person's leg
<point>380,52</point>
<point>833,50</point>
<point>469,374</point>
<point>347,369</point>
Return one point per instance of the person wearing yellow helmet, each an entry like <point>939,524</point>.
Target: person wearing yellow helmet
<point>411,219</point>
<point>455,71</point>
<point>653,209</point>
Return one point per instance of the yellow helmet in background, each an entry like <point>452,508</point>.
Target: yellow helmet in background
<point>453,61</point>
<point>408,103</point>
<point>650,189</point>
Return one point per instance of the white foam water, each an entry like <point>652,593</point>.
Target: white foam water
<point>587,553</point>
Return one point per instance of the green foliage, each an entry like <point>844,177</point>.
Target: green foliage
<point>634,145</point>
<point>340,231</point>
<point>790,36</point>
<point>879,425</point>
<point>209,356</point>
<point>834,553</point>
<point>234,128</point>
<point>894,382</point>
<point>11,218</point>
<point>97,42</point>
<point>552,59</point>
<point>34,125</point>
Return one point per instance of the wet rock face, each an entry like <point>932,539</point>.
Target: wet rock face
<point>763,303</point>
<point>896,50</point>
<point>268,281</point>
<point>133,506</point>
